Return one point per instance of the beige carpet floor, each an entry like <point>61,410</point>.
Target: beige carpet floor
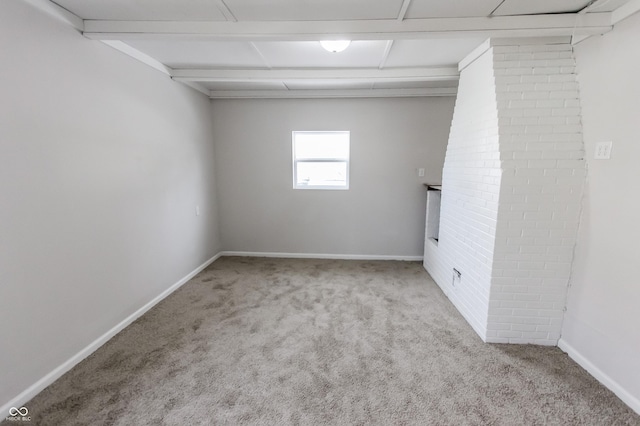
<point>254,341</point>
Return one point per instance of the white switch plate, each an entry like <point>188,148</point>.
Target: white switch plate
<point>197,210</point>
<point>421,172</point>
<point>603,150</point>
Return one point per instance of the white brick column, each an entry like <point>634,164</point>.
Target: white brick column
<point>543,172</point>
<point>511,190</point>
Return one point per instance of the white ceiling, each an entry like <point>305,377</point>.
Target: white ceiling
<point>269,48</point>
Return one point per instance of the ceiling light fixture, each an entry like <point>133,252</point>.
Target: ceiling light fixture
<point>335,46</point>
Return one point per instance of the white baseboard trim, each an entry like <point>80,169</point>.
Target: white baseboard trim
<point>602,377</point>
<point>54,375</point>
<point>320,256</point>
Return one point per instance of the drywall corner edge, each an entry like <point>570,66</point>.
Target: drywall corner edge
<point>601,376</point>
<point>59,371</point>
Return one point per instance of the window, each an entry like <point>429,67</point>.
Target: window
<point>321,160</point>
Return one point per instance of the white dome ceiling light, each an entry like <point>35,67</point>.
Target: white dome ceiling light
<point>335,46</point>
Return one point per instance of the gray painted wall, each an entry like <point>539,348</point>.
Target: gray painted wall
<point>102,162</point>
<point>601,322</point>
<point>383,211</point>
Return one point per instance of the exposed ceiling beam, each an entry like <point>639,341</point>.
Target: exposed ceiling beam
<point>578,39</point>
<point>497,26</point>
<point>351,74</point>
<point>197,87</point>
<point>148,60</point>
<point>624,11</point>
<point>329,93</point>
<point>136,54</point>
<point>58,12</point>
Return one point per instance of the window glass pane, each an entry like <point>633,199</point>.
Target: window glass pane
<point>321,174</point>
<point>317,145</point>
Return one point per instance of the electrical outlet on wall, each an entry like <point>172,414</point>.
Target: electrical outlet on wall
<point>421,172</point>
<point>603,150</point>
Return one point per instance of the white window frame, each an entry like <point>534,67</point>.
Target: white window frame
<point>319,160</point>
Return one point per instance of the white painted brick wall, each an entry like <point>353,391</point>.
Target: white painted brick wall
<point>512,184</point>
<point>469,203</point>
<point>543,173</point>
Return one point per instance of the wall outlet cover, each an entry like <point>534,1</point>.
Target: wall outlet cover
<point>603,150</point>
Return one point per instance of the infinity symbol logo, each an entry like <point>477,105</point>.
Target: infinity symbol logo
<point>22,411</point>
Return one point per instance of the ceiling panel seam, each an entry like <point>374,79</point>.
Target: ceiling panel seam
<point>497,7</point>
<point>385,55</point>
<point>403,9</point>
<point>228,14</point>
<point>262,57</point>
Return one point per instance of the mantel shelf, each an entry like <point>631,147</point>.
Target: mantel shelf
<point>433,187</point>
